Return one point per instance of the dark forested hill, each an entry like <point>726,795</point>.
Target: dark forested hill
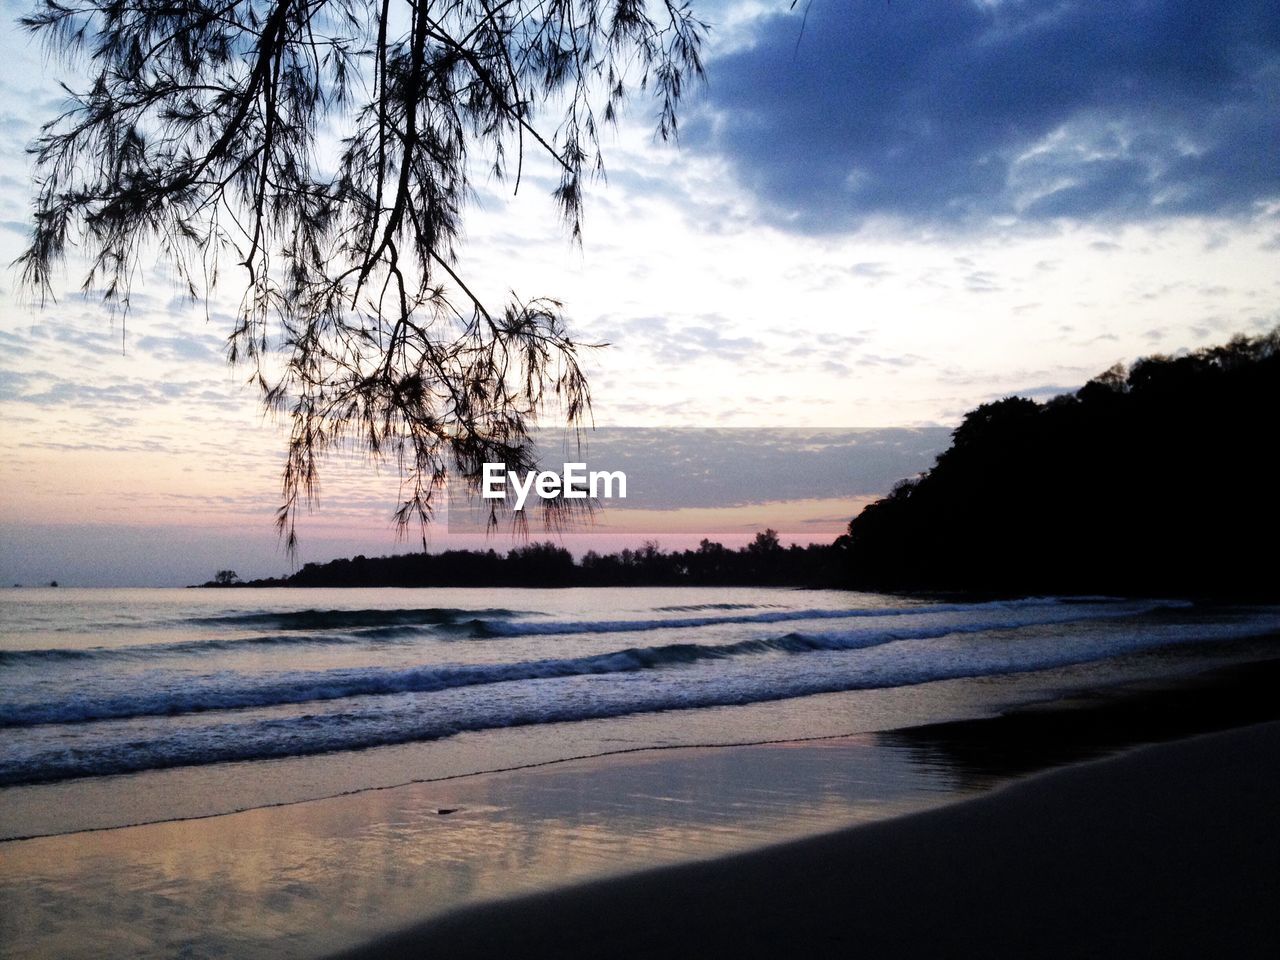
<point>1160,479</point>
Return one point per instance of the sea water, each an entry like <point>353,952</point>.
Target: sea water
<point>123,706</point>
<point>155,707</point>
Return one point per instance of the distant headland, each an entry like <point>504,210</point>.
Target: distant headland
<point>764,561</point>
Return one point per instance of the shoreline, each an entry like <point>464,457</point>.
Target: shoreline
<point>1164,850</point>
<point>1044,734</point>
<point>309,878</point>
<point>621,754</point>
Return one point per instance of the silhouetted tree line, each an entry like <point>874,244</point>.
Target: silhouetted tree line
<point>1159,479</point>
<point>764,561</point>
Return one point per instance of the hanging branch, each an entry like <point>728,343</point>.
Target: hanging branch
<point>199,135</point>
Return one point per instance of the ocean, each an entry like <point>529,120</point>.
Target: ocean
<point>128,706</point>
<point>282,774</point>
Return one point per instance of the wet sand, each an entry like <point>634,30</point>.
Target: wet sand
<point>299,881</point>
<point>1170,850</point>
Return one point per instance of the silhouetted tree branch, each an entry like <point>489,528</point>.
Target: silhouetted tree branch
<point>326,147</point>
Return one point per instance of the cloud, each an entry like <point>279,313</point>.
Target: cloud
<point>12,383</point>
<point>836,367</point>
<point>680,342</point>
<point>878,360</point>
<point>114,393</point>
<point>690,344</point>
<point>183,347</point>
<point>1044,392</point>
<point>724,467</point>
<point>822,344</point>
<point>14,346</point>
<point>949,114</point>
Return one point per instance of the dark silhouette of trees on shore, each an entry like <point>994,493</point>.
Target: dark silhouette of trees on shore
<point>764,562</point>
<point>1159,479</point>
<point>326,147</point>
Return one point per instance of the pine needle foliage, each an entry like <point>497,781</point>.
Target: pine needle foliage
<point>326,148</point>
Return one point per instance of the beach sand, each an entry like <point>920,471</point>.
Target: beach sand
<point>1166,851</point>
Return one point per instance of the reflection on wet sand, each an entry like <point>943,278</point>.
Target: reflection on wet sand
<point>301,880</point>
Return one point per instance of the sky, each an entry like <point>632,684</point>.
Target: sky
<point>878,215</point>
